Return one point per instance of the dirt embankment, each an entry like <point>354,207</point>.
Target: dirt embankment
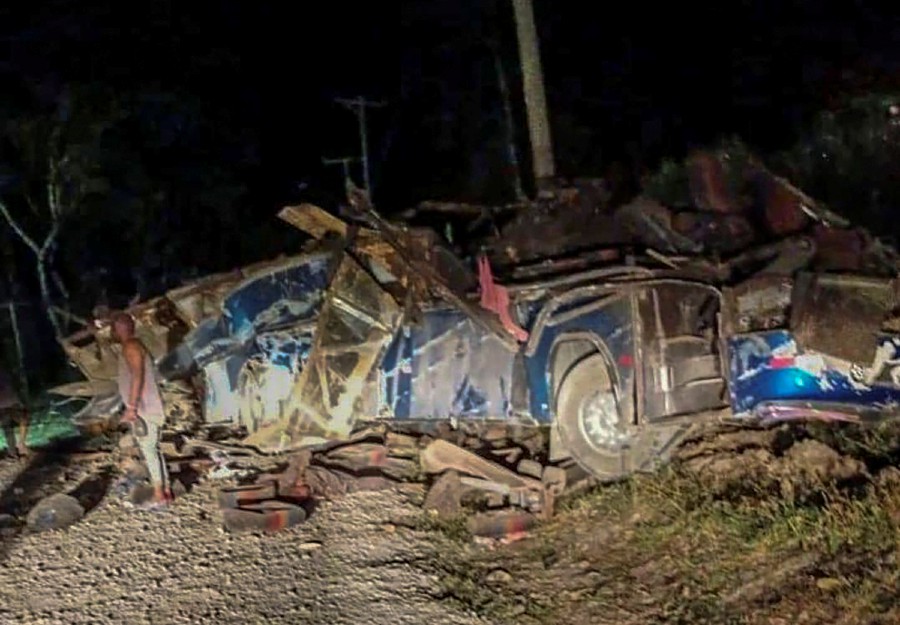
<point>782,526</point>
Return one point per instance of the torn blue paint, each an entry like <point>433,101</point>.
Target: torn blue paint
<point>278,298</point>
<point>257,347</point>
<point>768,367</point>
<point>447,366</point>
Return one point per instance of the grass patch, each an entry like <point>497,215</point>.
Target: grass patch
<point>455,529</point>
<point>684,554</point>
<point>781,531</point>
<point>48,422</point>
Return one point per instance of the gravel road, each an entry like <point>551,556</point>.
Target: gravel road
<point>350,563</point>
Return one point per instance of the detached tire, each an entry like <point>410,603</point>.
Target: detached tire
<point>592,428</point>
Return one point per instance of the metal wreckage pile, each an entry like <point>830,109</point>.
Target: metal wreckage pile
<point>376,356</point>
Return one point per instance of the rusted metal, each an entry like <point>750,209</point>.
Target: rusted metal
<point>857,306</point>
<point>813,208</point>
<point>715,232</point>
<point>434,281</point>
<point>757,305</point>
<point>783,210</point>
<point>580,262</point>
<point>315,221</point>
<point>650,223</point>
<point>840,249</point>
<point>709,185</point>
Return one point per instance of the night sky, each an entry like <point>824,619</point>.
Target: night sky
<point>627,84</point>
<point>630,80</point>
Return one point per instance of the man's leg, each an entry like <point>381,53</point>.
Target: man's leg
<point>156,463</point>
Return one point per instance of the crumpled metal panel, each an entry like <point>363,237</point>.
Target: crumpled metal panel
<point>446,366</point>
<point>207,342</point>
<point>249,386</point>
<point>266,379</point>
<point>769,368</point>
<point>251,355</point>
<point>357,320</point>
<point>202,299</point>
<point>220,399</point>
<point>283,295</point>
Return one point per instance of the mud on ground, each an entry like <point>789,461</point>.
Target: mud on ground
<point>779,526</point>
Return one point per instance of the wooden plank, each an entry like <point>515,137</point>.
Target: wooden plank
<point>313,220</point>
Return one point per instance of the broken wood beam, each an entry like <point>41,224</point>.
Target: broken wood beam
<point>398,239</point>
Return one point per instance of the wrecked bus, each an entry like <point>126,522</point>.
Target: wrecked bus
<point>617,363</point>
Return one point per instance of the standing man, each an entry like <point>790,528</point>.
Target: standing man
<point>12,413</point>
<point>139,390</point>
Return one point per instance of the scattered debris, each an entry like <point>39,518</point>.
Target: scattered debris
<point>268,516</point>
<point>610,333</point>
<point>502,524</point>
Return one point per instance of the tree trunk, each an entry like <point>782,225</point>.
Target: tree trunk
<point>46,298</point>
<point>40,256</point>
<point>535,99</point>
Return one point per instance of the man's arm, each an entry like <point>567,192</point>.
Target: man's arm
<point>134,358</point>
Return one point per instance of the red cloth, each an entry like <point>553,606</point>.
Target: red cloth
<point>496,299</point>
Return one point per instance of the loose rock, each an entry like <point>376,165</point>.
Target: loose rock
<point>498,576</point>
<point>54,512</point>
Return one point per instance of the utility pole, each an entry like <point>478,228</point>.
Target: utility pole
<point>345,161</point>
<point>358,106</point>
<point>535,99</point>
